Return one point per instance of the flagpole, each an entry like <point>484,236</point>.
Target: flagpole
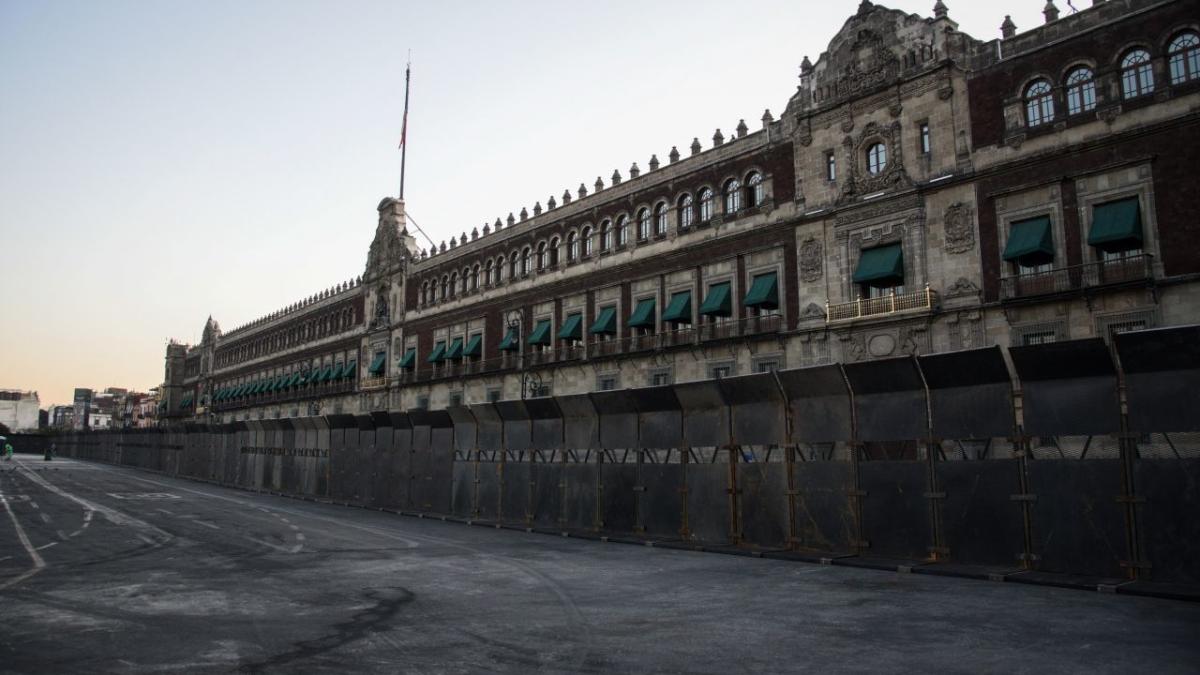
<point>404,130</point>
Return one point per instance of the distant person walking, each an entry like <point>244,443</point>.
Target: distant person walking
<point>8,452</point>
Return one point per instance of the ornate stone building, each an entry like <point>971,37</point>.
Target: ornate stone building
<point>922,191</point>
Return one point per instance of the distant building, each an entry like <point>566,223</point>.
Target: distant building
<point>62,417</point>
<point>82,401</point>
<point>19,409</point>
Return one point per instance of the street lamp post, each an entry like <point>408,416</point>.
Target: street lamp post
<point>531,382</point>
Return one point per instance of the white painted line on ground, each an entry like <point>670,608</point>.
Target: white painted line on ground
<point>299,536</point>
<point>294,527</point>
<point>46,546</point>
<point>277,547</point>
<point>169,513</point>
<point>34,504</point>
<point>34,556</point>
<point>45,517</point>
<point>207,524</point>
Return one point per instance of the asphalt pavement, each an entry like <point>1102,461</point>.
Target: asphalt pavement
<point>111,570</point>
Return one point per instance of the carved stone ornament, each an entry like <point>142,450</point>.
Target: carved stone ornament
<point>389,250</point>
<point>382,314</point>
<point>893,176</point>
<point>813,311</point>
<point>959,223</point>
<point>962,287</point>
<point>812,261</point>
<point>867,64</point>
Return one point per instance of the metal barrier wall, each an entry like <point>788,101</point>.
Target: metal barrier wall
<point>931,458</point>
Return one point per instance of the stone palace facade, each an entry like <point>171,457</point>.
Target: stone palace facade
<point>923,191</point>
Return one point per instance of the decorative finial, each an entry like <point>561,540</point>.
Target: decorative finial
<point>537,208</point>
<point>599,183</point>
<point>939,9</point>
<point>486,229</point>
<point>453,242</point>
<point>654,162</point>
<point>567,196</point>
<point>616,177</point>
<point>1050,11</point>
<point>742,129</point>
<point>1008,28</point>
<point>551,204</point>
<point>806,66</point>
<point>511,219</point>
<point>475,233</point>
<point>524,214</point>
<point>674,156</point>
<point>696,145</point>
<point>634,171</point>
<point>718,138</point>
<point>582,191</point>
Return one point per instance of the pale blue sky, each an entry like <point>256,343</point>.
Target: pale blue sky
<point>161,161</point>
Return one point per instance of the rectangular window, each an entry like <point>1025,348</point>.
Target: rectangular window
<point>766,366</point>
<point>925,147</point>
<point>422,402</point>
<point>830,166</point>
<point>493,395</point>
<point>456,398</point>
<point>606,383</point>
<point>718,370</point>
<point>660,378</point>
<point>1044,337</point>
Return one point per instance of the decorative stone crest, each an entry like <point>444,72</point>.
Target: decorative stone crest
<point>390,249</point>
<point>959,223</point>
<point>812,261</point>
<point>813,311</point>
<point>962,287</point>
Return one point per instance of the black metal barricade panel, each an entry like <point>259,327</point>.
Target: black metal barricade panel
<point>1067,388</point>
<point>896,515</point>
<point>981,524</point>
<point>462,496</point>
<point>1167,520</point>
<point>970,394</point>
<point>353,471</point>
<point>422,431</point>
<point>756,407</point>
<point>547,505</point>
<point>581,423</point>
<point>487,501</point>
<point>437,485</point>
<point>1078,525</point>
<point>660,418</point>
<point>825,512</point>
<point>660,506</point>
<point>516,477</point>
<point>618,419</point>
<point>518,431</point>
<point>383,493</point>
<point>708,517</point>
<point>705,414</point>
<point>465,428</point>
<point>402,460</point>
<point>489,427</point>
<point>322,468</point>
<point>763,498</point>
<point>337,465</point>
<point>546,423</point>
<point>618,494</point>
<point>819,404</point>
<point>889,400</point>
<point>580,483</point>
<point>1162,378</point>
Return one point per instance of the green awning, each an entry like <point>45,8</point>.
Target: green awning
<point>350,370</point>
<point>606,323</point>
<point>454,352</point>
<point>237,391</point>
<point>474,345</point>
<point>278,384</point>
<point>541,333</point>
<point>1116,226</point>
<point>1030,241</point>
<point>643,314</point>
<point>410,358</point>
<point>572,328</point>
<point>764,292</point>
<point>376,366</point>
<point>511,341</point>
<point>882,265</point>
<point>438,353</point>
<point>334,373</point>
<point>718,301</point>
<point>254,387</point>
<point>679,310</point>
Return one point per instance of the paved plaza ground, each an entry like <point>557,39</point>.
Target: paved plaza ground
<point>107,569</point>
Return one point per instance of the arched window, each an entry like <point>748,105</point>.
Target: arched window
<point>425,293</point>
<point>1183,58</point>
<point>685,211</point>
<point>572,247</point>
<point>475,277</point>
<point>876,158</point>
<point>512,265</point>
<point>453,284</point>
<point>554,252</point>
<point>1039,103</point>
<point>643,224</point>
<point>622,231</point>
<point>500,269</point>
<point>605,236</point>
<point>1137,77</point>
<point>541,256</point>
<point>660,219</point>
<point>754,189</point>
<point>445,292</point>
<point>1081,90</point>
<point>465,280</point>
<point>733,196</point>
<point>706,205</point>
<point>487,273</point>
<point>525,261</point>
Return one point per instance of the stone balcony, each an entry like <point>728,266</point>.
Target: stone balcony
<point>923,301</point>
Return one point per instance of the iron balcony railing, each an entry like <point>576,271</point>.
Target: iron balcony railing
<point>1133,269</point>
<point>924,300</point>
